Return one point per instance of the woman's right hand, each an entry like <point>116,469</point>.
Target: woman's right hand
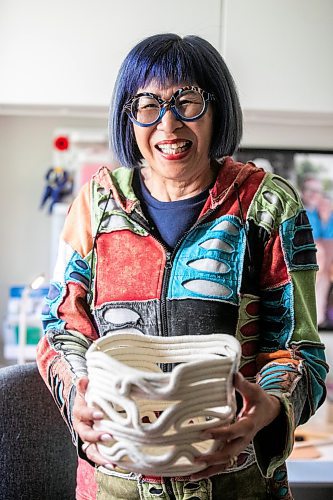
<point>83,421</point>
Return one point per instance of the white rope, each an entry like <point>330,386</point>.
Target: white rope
<point>155,418</point>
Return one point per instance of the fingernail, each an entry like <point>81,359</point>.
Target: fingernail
<point>98,414</point>
<point>109,466</point>
<point>106,437</point>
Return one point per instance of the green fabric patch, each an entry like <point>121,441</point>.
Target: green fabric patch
<point>305,315</point>
<point>122,178</point>
<point>274,202</point>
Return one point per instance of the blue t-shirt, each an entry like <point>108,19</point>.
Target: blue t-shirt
<point>315,222</point>
<point>320,229</point>
<point>170,218</point>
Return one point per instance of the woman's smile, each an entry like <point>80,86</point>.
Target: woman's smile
<point>175,149</point>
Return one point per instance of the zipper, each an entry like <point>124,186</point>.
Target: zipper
<point>169,256</point>
<point>167,367</point>
<point>143,222</point>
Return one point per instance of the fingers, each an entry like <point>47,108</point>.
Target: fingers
<point>81,385</point>
<point>257,402</point>
<point>247,389</point>
<point>85,413</point>
<point>84,416</point>
<point>243,428</point>
<point>90,449</point>
<point>219,461</point>
<point>210,471</point>
<point>224,454</point>
<point>84,419</point>
<point>87,433</point>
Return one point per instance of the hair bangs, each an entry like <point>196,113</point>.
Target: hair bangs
<point>164,66</point>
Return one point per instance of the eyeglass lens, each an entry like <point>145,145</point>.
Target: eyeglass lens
<point>188,104</point>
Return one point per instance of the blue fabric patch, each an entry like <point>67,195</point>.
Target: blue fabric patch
<point>77,271</point>
<point>277,310</point>
<point>274,376</point>
<point>297,241</point>
<point>49,317</point>
<point>316,365</point>
<point>220,245</point>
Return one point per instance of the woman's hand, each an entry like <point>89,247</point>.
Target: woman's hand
<point>83,421</point>
<point>259,410</point>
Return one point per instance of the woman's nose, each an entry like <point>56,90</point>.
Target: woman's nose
<point>169,122</point>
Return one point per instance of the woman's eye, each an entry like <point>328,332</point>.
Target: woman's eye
<point>146,103</point>
<point>183,102</point>
<point>149,106</point>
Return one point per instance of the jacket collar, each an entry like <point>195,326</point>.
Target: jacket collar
<point>119,181</point>
<point>230,175</point>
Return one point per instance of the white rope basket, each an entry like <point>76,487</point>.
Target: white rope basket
<point>156,418</point>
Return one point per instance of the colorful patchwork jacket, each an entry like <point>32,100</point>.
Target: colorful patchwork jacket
<point>246,268</point>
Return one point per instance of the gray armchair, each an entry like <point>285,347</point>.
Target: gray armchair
<point>37,458</point>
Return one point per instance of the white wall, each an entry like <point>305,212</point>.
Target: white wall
<point>280,53</point>
<point>69,52</point>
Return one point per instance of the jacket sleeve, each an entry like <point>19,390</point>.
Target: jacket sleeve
<point>291,363</point>
<point>68,324</point>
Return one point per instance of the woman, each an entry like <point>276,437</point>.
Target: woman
<point>181,240</point>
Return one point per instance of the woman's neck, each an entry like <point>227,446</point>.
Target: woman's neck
<point>164,189</point>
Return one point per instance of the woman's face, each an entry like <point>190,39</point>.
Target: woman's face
<point>173,149</point>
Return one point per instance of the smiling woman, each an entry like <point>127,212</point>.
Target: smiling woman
<point>182,240</point>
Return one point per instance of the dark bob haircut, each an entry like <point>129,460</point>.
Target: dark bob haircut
<point>169,59</point>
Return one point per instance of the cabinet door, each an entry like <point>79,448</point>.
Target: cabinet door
<point>69,52</point>
<point>280,53</point>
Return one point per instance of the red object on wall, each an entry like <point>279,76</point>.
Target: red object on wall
<point>61,143</point>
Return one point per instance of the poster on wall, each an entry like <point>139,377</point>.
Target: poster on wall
<point>311,172</point>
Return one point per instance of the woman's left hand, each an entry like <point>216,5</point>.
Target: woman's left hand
<point>259,410</point>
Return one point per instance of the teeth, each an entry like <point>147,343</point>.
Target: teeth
<point>174,148</point>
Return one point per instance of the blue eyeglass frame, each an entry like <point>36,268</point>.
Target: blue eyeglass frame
<point>167,104</point>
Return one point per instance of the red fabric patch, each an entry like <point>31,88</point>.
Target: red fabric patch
<point>249,369</point>
<point>250,329</point>
<point>274,269</point>
<point>129,267</point>
<point>152,479</point>
<point>74,311</point>
<point>246,193</point>
<point>86,486</point>
<point>45,355</point>
<point>252,308</point>
<point>250,348</point>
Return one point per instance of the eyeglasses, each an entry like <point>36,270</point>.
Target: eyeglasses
<point>187,104</point>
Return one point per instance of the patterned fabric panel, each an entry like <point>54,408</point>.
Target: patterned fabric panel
<point>296,234</point>
<point>129,267</point>
<point>139,316</point>
<point>276,317</point>
<point>209,262</point>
